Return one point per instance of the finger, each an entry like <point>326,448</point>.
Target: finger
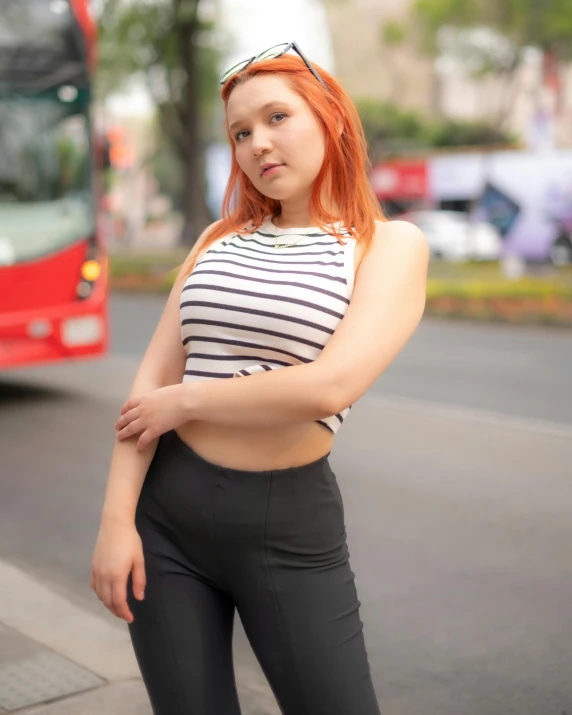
<point>132,428</point>
<point>127,418</point>
<point>97,588</point>
<point>129,405</point>
<point>119,597</point>
<point>106,595</point>
<point>92,580</point>
<point>110,605</point>
<point>145,439</point>
<point>139,578</point>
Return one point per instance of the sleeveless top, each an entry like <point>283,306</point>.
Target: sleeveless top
<point>247,307</point>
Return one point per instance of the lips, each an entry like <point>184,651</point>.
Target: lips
<point>266,168</point>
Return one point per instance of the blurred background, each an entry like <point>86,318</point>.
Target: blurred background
<point>467,112</point>
<point>455,468</point>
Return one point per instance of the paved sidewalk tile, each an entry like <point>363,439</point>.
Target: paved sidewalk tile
<point>127,698</point>
<point>32,609</point>
<point>130,698</point>
<point>31,674</point>
<point>51,649</point>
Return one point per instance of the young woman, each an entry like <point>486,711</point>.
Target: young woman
<point>220,493</point>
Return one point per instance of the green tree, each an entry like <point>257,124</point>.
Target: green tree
<point>392,37</point>
<point>512,25</point>
<point>169,42</point>
<point>391,130</point>
<point>388,128</point>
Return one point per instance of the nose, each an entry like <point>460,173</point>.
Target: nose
<point>260,142</point>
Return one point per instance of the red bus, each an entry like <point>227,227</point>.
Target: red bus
<point>53,264</point>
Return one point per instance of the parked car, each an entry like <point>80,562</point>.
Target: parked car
<point>452,235</point>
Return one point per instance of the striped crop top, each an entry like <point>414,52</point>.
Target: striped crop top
<point>248,307</point>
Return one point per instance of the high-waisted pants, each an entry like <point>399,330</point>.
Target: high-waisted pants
<point>270,544</point>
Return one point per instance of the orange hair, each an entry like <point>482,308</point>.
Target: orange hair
<point>244,208</point>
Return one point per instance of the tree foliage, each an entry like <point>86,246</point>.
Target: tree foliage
<point>491,36</point>
<point>168,42</point>
<point>545,24</point>
<point>392,33</point>
<point>392,130</point>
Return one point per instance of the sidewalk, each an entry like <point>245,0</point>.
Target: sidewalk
<point>57,659</point>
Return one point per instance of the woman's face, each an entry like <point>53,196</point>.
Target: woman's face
<point>272,125</point>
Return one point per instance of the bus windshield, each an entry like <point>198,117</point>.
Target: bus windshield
<point>45,172</point>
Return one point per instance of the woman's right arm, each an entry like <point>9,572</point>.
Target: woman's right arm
<point>118,549</point>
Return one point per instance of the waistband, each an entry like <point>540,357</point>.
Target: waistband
<point>175,442</point>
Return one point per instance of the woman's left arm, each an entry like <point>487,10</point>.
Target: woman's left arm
<point>386,307</point>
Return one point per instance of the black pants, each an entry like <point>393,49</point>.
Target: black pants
<point>271,544</point>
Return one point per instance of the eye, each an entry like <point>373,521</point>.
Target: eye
<point>243,133</point>
<point>238,137</point>
<point>278,115</point>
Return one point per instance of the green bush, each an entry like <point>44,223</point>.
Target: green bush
<point>389,129</point>
<point>523,288</point>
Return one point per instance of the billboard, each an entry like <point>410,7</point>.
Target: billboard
<point>526,195</point>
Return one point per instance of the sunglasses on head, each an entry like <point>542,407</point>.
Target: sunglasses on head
<point>271,54</point>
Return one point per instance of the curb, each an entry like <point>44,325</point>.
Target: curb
<point>51,621</point>
<point>32,609</point>
<point>126,698</point>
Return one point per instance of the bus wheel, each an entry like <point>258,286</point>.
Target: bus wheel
<point>561,251</point>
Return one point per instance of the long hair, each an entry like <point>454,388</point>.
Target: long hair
<point>346,163</point>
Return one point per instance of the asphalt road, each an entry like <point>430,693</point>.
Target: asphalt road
<point>455,471</point>
<point>524,372</point>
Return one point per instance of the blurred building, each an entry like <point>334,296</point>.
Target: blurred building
<point>368,69</point>
<point>537,104</point>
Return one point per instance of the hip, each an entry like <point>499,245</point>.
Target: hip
<point>216,510</point>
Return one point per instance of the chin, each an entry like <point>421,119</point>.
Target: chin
<point>282,193</point>
<point>275,193</point>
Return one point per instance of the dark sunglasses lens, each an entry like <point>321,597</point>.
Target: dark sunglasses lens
<point>273,52</point>
<point>233,70</point>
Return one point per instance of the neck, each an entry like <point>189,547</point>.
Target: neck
<point>292,216</point>
<point>295,213</point>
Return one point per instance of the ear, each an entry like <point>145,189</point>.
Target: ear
<point>340,127</point>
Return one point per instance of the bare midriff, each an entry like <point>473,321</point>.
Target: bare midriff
<point>261,448</point>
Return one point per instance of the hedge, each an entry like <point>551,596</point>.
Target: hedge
<point>531,300</point>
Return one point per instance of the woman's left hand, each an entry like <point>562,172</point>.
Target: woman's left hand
<point>152,415</point>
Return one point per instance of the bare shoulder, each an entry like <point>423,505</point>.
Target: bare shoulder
<point>397,248</point>
<point>393,241</point>
<point>400,236</point>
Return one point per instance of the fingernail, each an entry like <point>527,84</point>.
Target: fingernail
<point>142,594</point>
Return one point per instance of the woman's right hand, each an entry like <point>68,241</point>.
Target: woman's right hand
<point>118,552</point>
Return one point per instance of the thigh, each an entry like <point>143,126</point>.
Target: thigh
<point>182,635</point>
<point>302,619</point>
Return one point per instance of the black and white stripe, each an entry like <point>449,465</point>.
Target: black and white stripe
<point>248,307</point>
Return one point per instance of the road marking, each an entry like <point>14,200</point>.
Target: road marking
<point>474,414</point>
<point>461,357</point>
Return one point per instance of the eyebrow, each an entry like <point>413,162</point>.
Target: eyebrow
<point>264,107</point>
